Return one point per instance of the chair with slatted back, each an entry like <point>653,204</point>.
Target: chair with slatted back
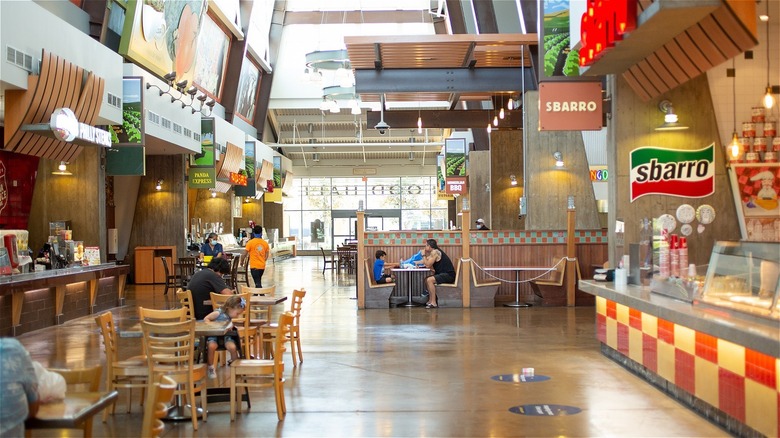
<point>160,396</point>
<point>185,300</point>
<point>187,267</point>
<point>256,373</point>
<point>250,343</point>
<point>170,352</point>
<point>81,380</point>
<point>127,374</point>
<point>163,315</point>
<point>171,281</point>
<point>268,332</point>
<point>270,290</point>
<point>327,263</point>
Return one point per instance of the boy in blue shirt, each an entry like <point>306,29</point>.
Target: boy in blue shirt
<point>379,268</point>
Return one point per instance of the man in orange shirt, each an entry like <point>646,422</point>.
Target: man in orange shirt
<point>258,251</point>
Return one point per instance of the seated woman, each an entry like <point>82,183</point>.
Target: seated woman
<point>211,247</point>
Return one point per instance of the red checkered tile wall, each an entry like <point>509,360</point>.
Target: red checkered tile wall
<point>739,381</point>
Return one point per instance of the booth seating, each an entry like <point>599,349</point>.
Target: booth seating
<point>483,294</point>
<point>377,295</point>
<point>551,289</point>
<point>451,294</point>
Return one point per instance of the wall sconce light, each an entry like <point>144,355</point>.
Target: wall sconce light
<point>159,184</point>
<point>247,200</point>
<point>487,188</point>
<point>62,169</point>
<point>213,193</point>
<point>670,118</point>
<point>558,159</point>
<point>512,180</point>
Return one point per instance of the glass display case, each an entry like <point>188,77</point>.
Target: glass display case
<point>743,276</point>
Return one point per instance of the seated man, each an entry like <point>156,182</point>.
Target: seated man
<point>206,281</point>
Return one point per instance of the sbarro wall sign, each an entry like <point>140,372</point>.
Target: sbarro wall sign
<point>672,172</point>
<point>570,106</point>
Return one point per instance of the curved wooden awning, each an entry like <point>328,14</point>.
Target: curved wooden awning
<point>60,84</point>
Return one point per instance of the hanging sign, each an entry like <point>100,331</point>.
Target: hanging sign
<point>672,172</point>
<point>457,185</point>
<point>603,24</point>
<point>570,106</point>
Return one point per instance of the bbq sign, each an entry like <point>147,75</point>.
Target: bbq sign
<point>672,172</point>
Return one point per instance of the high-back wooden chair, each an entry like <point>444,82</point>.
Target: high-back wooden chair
<point>185,299</point>
<point>187,267</point>
<point>171,281</point>
<point>256,373</point>
<point>268,331</point>
<point>326,262</point>
<point>160,395</point>
<point>270,290</point>
<point>170,352</point>
<point>81,380</point>
<point>163,315</point>
<point>120,374</point>
<point>247,331</point>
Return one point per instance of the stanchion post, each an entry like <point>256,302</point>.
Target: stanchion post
<point>571,254</point>
<point>465,270</point>
<point>361,255</point>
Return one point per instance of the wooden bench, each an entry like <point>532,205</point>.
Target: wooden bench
<point>551,289</point>
<point>482,294</point>
<point>451,294</point>
<point>377,295</point>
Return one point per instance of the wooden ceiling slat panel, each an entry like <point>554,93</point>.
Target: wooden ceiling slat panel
<point>671,65</point>
<point>679,55</point>
<point>706,45</point>
<point>641,77</point>
<point>37,144</point>
<point>734,28</point>
<point>27,143</point>
<point>636,85</point>
<point>662,70</point>
<point>691,49</point>
<point>718,36</point>
<point>643,4</point>
<point>55,149</point>
<point>653,76</point>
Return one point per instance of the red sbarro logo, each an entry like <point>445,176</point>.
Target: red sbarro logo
<point>672,172</point>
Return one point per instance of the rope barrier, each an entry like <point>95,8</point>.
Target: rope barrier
<point>553,268</point>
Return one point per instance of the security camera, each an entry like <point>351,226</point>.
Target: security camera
<point>382,127</point>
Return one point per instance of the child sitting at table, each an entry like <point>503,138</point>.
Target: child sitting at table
<point>232,308</point>
<point>379,268</point>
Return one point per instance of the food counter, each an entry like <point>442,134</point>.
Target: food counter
<point>723,364</point>
<point>45,298</point>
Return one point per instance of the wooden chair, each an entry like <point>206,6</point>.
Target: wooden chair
<point>246,329</point>
<point>187,267</point>
<point>160,396</point>
<point>185,299</point>
<point>163,315</point>
<point>256,373</point>
<point>326,261</point>
<point>171,281</point>
<point>120,374</point>
<point>270,290</point>
<point>451,294</point>
<point>377,295</point>
<point>268,331</point>
<point>170,352</point>
<point>551,288</point>
<point>345,259</point>
<point>483,294</point>
<point>232,281</point>
<point>82,380</point>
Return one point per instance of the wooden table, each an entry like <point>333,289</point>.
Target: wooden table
<point>409,277</point>
<point>517,270</point>
<point>77,409</point>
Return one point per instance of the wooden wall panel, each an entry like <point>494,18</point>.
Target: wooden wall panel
<point>547,187</point>
<point>506,158</point>
<point>479,197</point>
<point>634,122</point>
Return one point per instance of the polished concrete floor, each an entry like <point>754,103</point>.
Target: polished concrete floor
<point>410,372</point>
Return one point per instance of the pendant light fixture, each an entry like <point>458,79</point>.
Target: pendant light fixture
<point>769,100</point>
<point>501,112</point>
<point>734,145</point>
<point>419,119</point>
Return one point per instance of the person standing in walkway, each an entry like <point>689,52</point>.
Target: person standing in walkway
<point>18,388</point>
<point>444,272</point>
<point>258,251</point>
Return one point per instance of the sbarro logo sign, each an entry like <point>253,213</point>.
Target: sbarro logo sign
<point>672,172</point>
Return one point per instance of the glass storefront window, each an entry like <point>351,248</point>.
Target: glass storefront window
<point>315,193</point>
<point>347,192</point>
<point>383,194</point>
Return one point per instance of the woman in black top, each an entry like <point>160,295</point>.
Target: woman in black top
<point>444,271</point>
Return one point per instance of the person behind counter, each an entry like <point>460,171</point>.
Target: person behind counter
<point>211,247</point>
<point>206,281</point>
<point>444,271</point>
<point>481,226</point>
<point>258,251</point>
<point>18,386</point>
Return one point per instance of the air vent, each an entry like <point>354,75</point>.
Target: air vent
<point>19,58</point>
<point>166,123</point>
<point>187,133</point>
<point>177,128</point>
<point>196,136</point>
<point>114,101</point>
<point>154,118</point>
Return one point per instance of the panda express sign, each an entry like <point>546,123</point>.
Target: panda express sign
<point>672,172</point>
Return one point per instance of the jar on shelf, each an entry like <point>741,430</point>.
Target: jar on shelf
<point>752,157</point>
<point>758,114</point>
<point>770,129</point>
<point>748,129</point>
<point>770,157</point>
<point>776,144</point>
<point>759,144</point>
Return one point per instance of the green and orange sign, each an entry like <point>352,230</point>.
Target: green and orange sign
<point>672,172</point>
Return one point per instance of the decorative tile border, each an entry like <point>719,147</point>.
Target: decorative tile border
<point>741,385</point>
<point>516,237</point>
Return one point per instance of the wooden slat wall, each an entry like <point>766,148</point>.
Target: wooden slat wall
<point>728,31</point>
<point>60,84</point>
